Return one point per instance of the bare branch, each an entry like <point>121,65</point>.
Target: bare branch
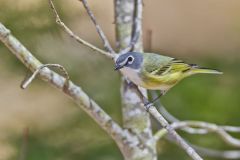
<point>198,127</point>
<point>172,119</point>
<point>208,152</point>
<point>231,129</point>
<point>122,137</point>
<point>105,41</point>
<point>226,154</point>
<point>188,129</point>
<point>211,128</point>
<point>136,37</point>
<point>74,36</point>
<point>169,129</point>
<point>28,80</point>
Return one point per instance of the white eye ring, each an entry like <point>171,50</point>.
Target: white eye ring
<point>130,59</point>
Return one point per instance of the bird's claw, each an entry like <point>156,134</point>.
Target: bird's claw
<point>148,105</point>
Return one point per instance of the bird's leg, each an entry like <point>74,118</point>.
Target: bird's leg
<point>135,87</point>
<point>145,101</point>
<point>162,93</point>
<point>147,104</point>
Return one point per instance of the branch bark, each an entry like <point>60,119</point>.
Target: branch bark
<point>123,138</point>
<point>210,127</point>
<point>98,28</point>
<point>77,38</point>
<point>167,128</point>
<point>128,20</point>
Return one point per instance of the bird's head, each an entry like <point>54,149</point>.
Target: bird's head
<point>132,60</point>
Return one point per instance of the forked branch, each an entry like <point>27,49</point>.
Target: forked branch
<point>98,28</point>
<point>74,36</point>
<point>168,128</point>
<point>28,80</point>
<point>122,137</point>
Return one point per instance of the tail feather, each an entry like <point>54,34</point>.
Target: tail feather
<point>196,70</point>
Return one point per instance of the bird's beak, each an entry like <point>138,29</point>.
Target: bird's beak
<point>118,66</point>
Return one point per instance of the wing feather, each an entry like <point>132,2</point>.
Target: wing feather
<point>162,65</point>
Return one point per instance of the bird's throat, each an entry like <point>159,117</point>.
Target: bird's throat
<point>132,75</point>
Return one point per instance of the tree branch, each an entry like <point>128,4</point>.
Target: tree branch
<point>137,26</point>
<point>98,28</point>
<point>211,128</point>
<point>167,128</point>
<point>122,137</point>
<point>136,37</point>
<point>170,130</point>
<point>172,119</point>
<point>74,36</point>
<point>198,127</point>
<point>28,80</point>
<point>226,154</point>
<point>191,130</point>
<point>208,152</point>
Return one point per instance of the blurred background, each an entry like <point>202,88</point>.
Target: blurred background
<point>45,124</point>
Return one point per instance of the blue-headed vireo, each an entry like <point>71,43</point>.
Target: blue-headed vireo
<point>156,72</point>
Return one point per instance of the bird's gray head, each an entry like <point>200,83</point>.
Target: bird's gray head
<point>132,60</point>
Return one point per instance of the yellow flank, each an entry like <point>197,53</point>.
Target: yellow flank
<point>162,82</point>
<point>162,72</point>
<point>170,78</point>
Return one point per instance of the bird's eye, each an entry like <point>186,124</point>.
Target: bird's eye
<point>130,59</point>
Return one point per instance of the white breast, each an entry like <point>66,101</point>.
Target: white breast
<point>132,75</point>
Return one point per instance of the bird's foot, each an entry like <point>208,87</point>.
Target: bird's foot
<point>148,105</point>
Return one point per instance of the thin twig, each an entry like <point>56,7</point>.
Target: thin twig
<point>208,152</point>
<point>74,36</point>
<point>226,154</point>
<point>28,80</point>
<point>189,129</point>
<point>231,128</point>
<point>105,41</point>
<point>212,128</point>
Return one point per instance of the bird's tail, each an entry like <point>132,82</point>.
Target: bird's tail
<point>196,69</point>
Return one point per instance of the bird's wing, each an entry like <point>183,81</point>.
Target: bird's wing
<point>158,65</point>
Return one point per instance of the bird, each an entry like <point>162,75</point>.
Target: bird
<point>153,71</point>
